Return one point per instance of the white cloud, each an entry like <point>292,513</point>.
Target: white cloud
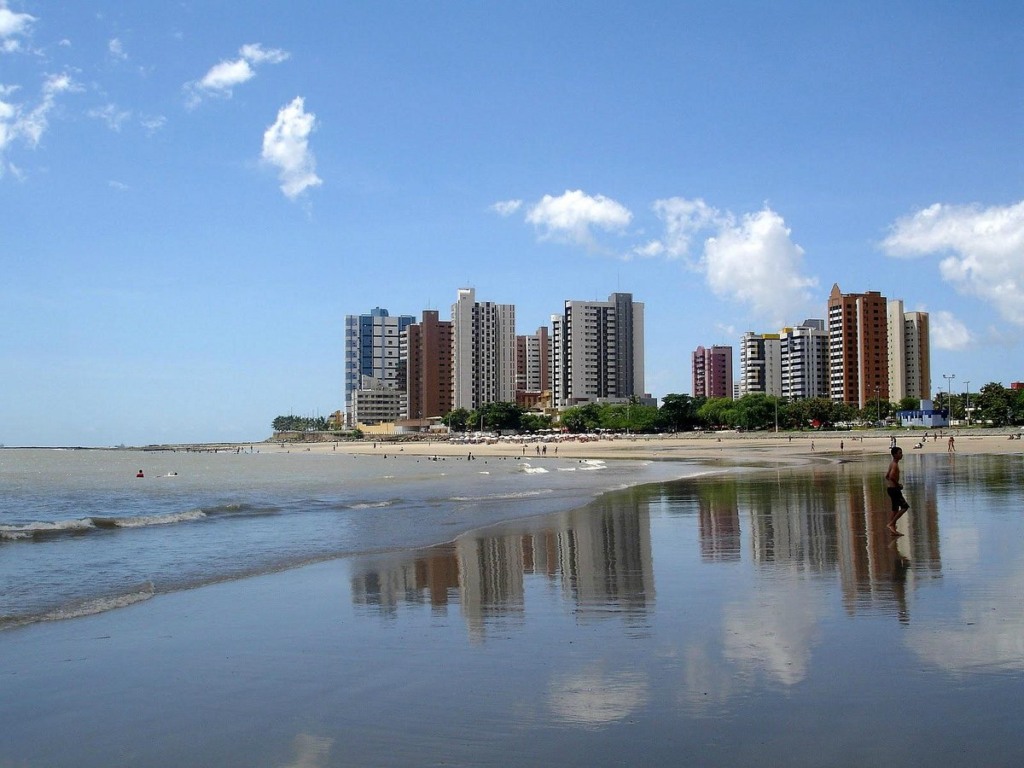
<point>12,27</point>
<point>982,250</point>
<point>947,332</point>
<point>683,220</point>
<point>255,53</point>
<point>116,50</point>
<point>572,215</point>
<point>756,263</point>
<point>120,186</point>
<point>111,115</point>
<point>286,146</point>
<point>507,207</point>
<point>226,75</point>
<point>20,123</point>
<point>153,124</point>
<point>222,77</point>
<point>749,259</point>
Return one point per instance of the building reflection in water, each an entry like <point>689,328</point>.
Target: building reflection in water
<point>824,522</point>
<point>599,557</point>
<point>827,520</point>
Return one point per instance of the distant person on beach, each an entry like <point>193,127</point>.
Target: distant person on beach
<point>950,445</point>
<point>895,490</point>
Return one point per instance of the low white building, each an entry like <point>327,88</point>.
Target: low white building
<point>925,416</point>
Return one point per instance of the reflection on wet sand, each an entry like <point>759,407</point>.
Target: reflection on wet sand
<point>826,522</point>
<point>598,556</point>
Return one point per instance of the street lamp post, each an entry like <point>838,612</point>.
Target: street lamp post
<point>967,407</point>
<point>878,405</point>
<point>949,395</point>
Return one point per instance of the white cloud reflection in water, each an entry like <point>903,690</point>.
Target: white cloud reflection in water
<point>988,633</point>
<point>593,698</point>
<point>773,636</point>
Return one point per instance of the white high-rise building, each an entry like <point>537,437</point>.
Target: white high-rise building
<point>483,351</point>
<point>597,350</point>
<point>805,360</point>
<point>532,359</point>
<point>909,353</point>
<point>760,364</point>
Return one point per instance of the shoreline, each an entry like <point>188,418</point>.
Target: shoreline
<point>740,447</point>
<point>689,446</point>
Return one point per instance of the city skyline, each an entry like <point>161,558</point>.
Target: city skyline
<point>194,197</point>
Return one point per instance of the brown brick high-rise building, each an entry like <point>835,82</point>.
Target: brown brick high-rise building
<point>428,367</point>
<point>857,347</point>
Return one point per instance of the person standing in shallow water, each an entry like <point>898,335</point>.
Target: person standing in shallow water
<point>895,490</point>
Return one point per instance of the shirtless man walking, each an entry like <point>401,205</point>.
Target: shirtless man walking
<point>895,490</point>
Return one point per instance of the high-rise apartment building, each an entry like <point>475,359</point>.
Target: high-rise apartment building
<point>909,353</point>
<point>372,343</point>
<point>532,362</point>
<point>427,361</point>
<point>761,364</point>
<point>712,372</point>
<point>858,347</point>
<point>483,352</point>
<point>597,350</point>
<point>805,360</point>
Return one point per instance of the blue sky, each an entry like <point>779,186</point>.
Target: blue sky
<point>193,195</point>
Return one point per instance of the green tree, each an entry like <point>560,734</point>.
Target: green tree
<point>456,420</point>
<point>995,404</point>
<point>754,411</point>
<point>717,412</point>
<point>499,417</point>
<point>678,413</point>
<point>582,418</point>
<point>534,422</point>
<point>876,409</point>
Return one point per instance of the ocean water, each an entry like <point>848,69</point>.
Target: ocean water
<point>80,533</point>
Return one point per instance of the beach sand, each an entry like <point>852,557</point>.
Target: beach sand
<point>741,448</point>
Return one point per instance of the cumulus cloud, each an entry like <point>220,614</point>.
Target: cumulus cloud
<point>13,27</point>
<point>286,147</point>
<point>947,332</point>
<point>572,216</point>
<point>222,77</point>
<point>682,219</point>
<point>981,250</point>
<point>26,124</point>
<point>755,262</point>
<point>750,259</point>
<point>507,207</point>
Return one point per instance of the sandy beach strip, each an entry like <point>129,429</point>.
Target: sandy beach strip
<point>736,447</point>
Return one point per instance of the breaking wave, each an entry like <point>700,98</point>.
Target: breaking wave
<point>95,523</point>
